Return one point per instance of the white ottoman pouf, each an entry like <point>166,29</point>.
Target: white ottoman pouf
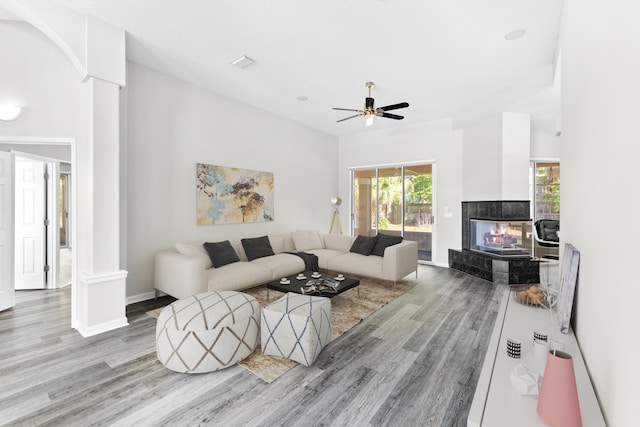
<point>207,331</point>
<point>296,327</point>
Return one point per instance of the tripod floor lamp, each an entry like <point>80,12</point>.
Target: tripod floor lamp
<point>336,201</point>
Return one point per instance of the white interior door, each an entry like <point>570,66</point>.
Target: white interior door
<point>6,231</point>
<point>30,224</point>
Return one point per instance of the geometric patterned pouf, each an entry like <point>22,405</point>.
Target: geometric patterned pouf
<point>207,331</point>
<point>296,327</point>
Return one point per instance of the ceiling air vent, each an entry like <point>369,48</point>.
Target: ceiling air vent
<point>242,62</point>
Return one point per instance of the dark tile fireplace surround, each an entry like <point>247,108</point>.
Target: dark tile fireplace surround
<point>497,269</point>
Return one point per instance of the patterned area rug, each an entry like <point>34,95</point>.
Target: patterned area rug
<point>347,310</point>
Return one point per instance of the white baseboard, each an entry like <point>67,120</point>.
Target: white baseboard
<point>435,264</point>
<point>89,331</point>
<point>142,297</point>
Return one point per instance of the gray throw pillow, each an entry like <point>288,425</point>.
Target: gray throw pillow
<point>257,247</point>
<point>221,253</point>
<point>383,242</point>
<point>363,245</point>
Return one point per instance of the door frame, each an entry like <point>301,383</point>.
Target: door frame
<point>7,262</point>
<point>72,143</point>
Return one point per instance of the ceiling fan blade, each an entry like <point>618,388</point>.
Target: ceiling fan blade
<point>394,106</point>
<point>391,116</point>
<point>345,109</point>
<point>347,118</point>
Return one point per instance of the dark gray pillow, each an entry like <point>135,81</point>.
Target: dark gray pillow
<point>383,242</point>
<point>221,253</point>
<point>257,247</point>
<point>363,245</point>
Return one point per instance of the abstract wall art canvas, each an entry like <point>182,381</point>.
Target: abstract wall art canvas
<point>228,195</point>
<point>568,280</point>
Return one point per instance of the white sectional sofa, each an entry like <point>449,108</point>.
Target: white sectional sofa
<point>187,269</point>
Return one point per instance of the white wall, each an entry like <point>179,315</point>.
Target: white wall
<point>496,158</point>
<point>171,126</point>
<point>545,145</point>
<point>426,142</point>
<point>482,160</point>
<point>38,76</point>
<point>516,147</point>
<point>600,153</point>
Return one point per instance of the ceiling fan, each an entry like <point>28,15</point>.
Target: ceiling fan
<point>370,111</point>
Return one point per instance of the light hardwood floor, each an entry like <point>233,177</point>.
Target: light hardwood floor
<point>415,362</point>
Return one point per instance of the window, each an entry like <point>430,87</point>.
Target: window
<point>395,200</point>
<point>63,206</point>
<point>546,198</point>
<point>545,201</point>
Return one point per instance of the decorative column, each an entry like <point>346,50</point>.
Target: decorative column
<point>101,285</point>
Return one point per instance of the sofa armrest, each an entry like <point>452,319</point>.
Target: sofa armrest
<point>400,260</point>
<point>179,275</point>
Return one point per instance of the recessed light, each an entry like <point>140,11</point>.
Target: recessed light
<point>515,34</point>
<point>302,98</point>
<point>242,62</point>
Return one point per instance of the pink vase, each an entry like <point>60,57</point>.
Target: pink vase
<point>558,402</point>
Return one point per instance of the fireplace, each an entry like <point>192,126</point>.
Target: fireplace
<point>501,238</point>
<point>496,242</point>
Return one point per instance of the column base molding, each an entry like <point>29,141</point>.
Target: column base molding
<point>101,302</point>
<point>89,331</point>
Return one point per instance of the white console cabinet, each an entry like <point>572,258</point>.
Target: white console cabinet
<point>496,403</point>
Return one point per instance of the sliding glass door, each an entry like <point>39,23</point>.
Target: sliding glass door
<point>395,200</point>
<point>418,217</point>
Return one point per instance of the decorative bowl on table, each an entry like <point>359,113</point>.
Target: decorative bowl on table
<point>533,296</point>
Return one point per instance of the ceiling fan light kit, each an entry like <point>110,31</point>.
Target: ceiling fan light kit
<point>369,111</point>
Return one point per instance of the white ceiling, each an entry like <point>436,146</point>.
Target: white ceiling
<point>444,57</point>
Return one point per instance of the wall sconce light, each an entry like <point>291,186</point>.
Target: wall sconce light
<point>10,112</point>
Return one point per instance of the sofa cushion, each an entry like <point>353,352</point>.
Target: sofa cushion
<point>363,245</point>
<point>196,250</point>
<point>281,265</point>
<point>277,244</point>
<point>351,263</point>
<point>221,253</point>
<point>257,247</point>
<point>307,239</point>
<point>237,276</point>
<point>338,242</point>
<point>324,255</point>
<point>384,241</point>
